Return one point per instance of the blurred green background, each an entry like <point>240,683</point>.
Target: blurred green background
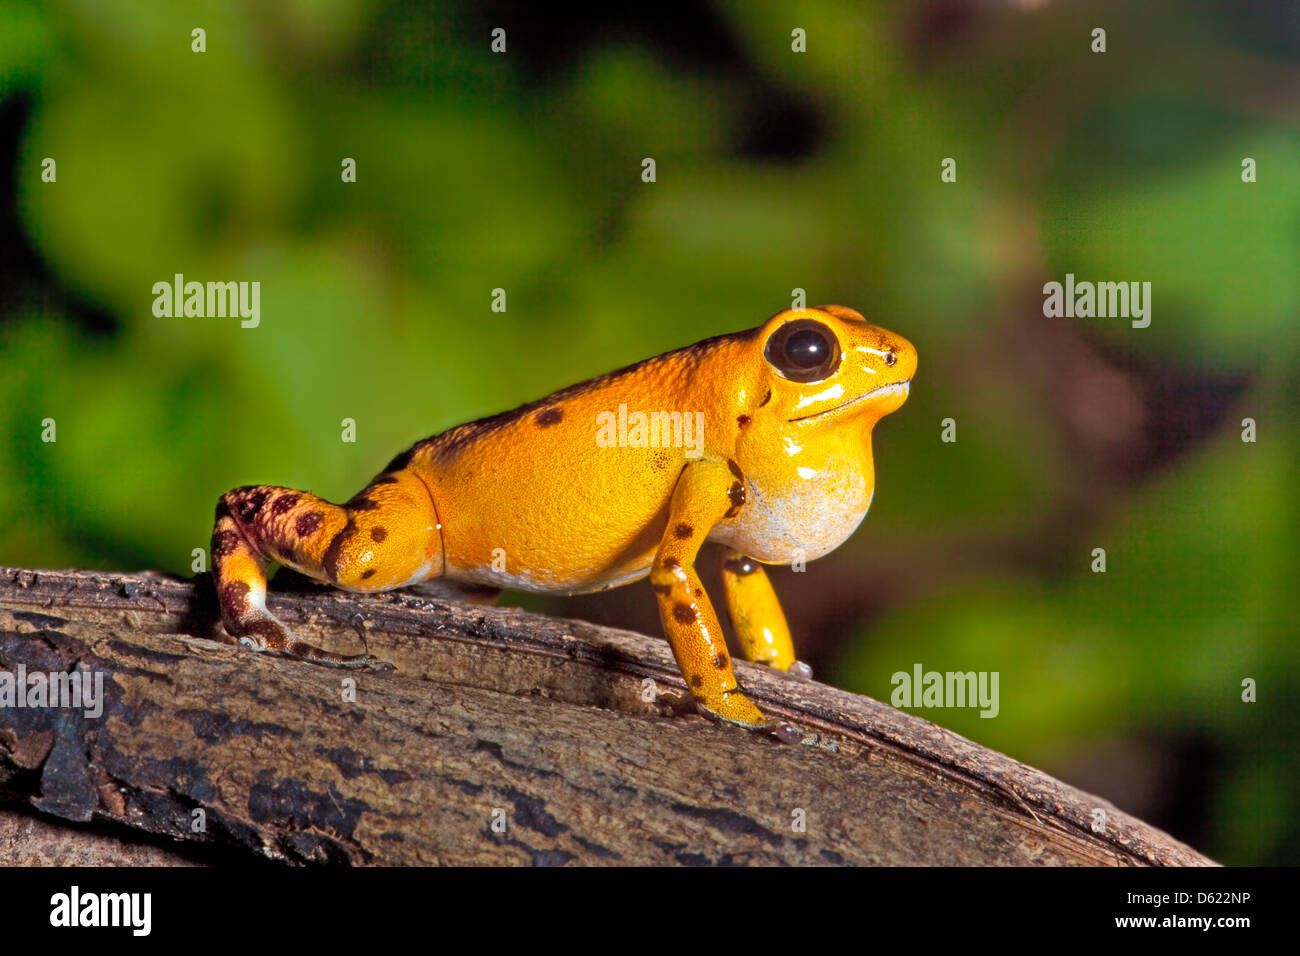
<point>776,170</point>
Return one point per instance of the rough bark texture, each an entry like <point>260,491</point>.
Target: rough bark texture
<point>503,737</point>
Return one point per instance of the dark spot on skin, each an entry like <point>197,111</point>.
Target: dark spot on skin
<point>743,420</point>
<point>367,573</point>
<point>735,470</point>
<point>307,524</point>
<point>361,503</point>
<point>378,534</point>
<point>766,398</point>
<point>683,531</point>
<point>224,543</point>
<point>684,613</point>
<point>235,596</point>
<point>250,505</point>
<point>672,563</point>
<point>720,661</point>
<point>740,566</point>
<point>661,588</point>
<point>549,417</point>
<point>699,592</point>
<point>223,508</point>
<point>737,495</point>
<point>697,681</point>
<point>334,553</point>
<point>283,504</point>
<point>386,480</point>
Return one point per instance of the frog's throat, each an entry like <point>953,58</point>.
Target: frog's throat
<point>893,389</point>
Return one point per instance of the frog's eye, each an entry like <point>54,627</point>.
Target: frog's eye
<point>890,357</point>
<point>803,351</point>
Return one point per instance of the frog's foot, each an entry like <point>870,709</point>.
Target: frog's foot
<point>265,633</point>
<point>735,708</point>
<point>239,568</point>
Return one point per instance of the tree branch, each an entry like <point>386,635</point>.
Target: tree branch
<point>493,715</point>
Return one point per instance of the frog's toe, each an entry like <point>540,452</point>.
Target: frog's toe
<point>786,732</point>
<point>800,671</point>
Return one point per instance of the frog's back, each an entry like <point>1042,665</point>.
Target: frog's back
<point>552,496</point>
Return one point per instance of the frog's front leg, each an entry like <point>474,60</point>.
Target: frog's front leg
<point>757,616</point>
<point>706,493</point>
<point>385,537</point>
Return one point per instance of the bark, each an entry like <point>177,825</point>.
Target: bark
<point>502,737</point>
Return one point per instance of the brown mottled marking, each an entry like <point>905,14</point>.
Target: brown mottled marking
<point>671,562</point>
<point>368,572</point>
<point>235,593</point>
<point>767,398</point>
<point>378,534</point>
<point>283,503</point>
<point>250,505</point>
<point>549,417</point>
<point>743,420</point>
<point>658,588</point>
<point>720,661</point>
<point>735,470</point>
<point>385,480</point>
<point>307,524</point>
<point>697,680</point>
<point>683,531</point>
<point>223,543</point>
<point>333,557</point>
<point>684,613</point>
<point>361,503</point>
<point>699,592</point>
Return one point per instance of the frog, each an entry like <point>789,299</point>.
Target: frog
<point>759,441</point>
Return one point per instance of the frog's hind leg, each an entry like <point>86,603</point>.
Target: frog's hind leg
<point>756,614</point>
<point>385,537</point>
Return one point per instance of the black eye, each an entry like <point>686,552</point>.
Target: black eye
<point>803,351</point>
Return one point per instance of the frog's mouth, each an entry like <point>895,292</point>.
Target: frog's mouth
<point>897,388</point>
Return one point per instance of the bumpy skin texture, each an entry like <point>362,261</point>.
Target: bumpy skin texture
<point>540,499</point>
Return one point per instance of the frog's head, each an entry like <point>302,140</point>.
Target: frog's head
<point>828,367</point>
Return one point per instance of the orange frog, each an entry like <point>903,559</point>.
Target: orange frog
<point>758,440</point>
